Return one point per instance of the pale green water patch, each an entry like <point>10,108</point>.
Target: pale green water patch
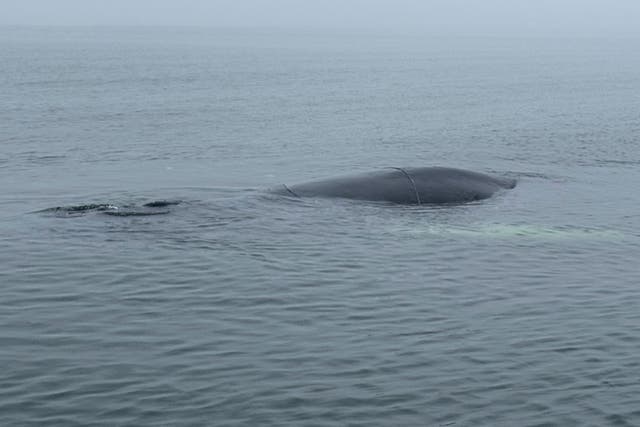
<point>515,231</point>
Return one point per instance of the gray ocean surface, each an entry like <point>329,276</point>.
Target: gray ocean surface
<point>237,307</point>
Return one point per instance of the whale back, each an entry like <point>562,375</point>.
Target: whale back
<point>385,185</point>
<point>426,185</point>
<point>450,185</point>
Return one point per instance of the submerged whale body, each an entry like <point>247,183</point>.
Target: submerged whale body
<point>426,185</point>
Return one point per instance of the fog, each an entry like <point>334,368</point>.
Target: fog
<point>466,17</point>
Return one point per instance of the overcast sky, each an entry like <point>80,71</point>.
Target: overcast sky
<point>583,17</point>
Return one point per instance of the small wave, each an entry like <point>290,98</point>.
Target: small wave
<point>537,175</point>
<point>621,162</point>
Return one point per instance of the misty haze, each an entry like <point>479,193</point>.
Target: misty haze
<point>286,213</point>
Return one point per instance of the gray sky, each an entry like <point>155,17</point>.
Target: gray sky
<point>539,17</point>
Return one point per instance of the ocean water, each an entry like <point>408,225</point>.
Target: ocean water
<point>231,306</point>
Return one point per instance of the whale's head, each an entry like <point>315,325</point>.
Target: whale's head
<point>507,183</point>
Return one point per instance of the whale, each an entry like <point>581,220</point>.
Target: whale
<point>407,186</point>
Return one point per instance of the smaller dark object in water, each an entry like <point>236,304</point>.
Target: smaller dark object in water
<point>82,208</point>
<point>162,203</point>
<point>134,213</point>
<point>150,208</point>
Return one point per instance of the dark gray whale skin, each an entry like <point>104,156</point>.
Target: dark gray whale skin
<point>424,185</point>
